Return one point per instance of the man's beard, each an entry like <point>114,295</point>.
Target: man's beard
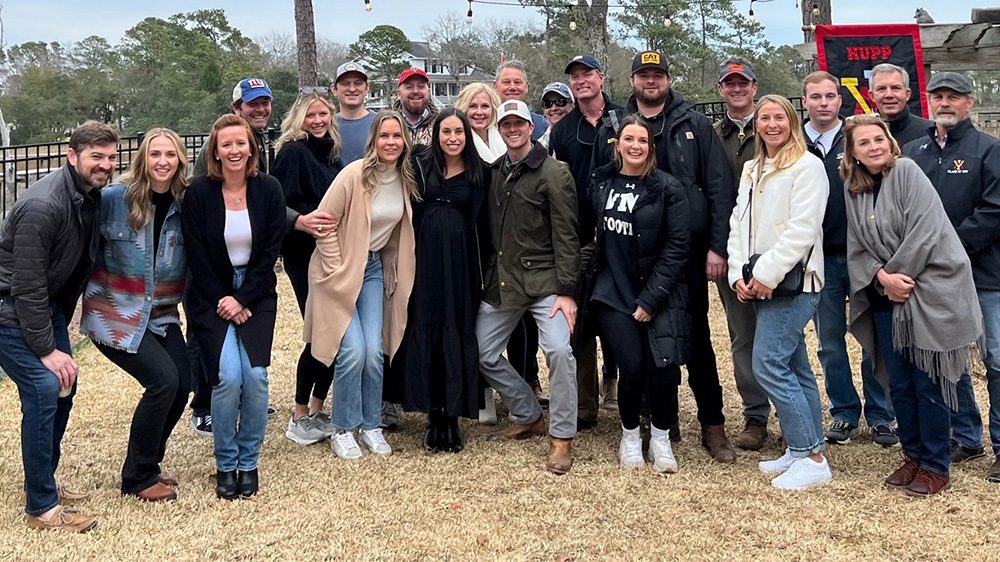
<point>410,107</point>
<point>652,100</point>
<point>947,121</point>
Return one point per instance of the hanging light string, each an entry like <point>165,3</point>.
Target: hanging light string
<point>620,4</point>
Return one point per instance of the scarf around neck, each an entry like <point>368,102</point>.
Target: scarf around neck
<point>939,327</point>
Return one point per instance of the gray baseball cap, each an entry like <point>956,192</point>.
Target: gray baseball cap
<point>952,81</point>
<point>350,66</point>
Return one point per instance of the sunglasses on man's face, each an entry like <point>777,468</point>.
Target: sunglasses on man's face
<point>321,90</point>
<point>558,102</point>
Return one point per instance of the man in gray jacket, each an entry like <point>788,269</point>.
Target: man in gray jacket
<point>47,247</point>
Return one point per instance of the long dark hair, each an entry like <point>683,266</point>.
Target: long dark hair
<point>432,159</point>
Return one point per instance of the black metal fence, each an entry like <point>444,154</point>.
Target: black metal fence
<point>20,166</point>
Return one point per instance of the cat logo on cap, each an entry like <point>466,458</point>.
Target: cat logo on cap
<point>651,58</point>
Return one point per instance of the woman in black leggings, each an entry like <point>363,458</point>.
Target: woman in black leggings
<point>308,159</point>
<point>634,282</point>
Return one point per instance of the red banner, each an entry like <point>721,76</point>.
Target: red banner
<point>849,52</point>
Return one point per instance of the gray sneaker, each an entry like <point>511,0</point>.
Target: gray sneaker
<point>841,432</point>
<point>324,423</point>
<point>390,416</point>
<point>305,431</point>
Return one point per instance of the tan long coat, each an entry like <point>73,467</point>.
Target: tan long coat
<point>337,269</point>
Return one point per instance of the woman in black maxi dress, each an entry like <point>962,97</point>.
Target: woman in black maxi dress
<point>439,359</point>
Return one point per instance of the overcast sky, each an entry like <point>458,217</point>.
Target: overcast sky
<point>67,21</point>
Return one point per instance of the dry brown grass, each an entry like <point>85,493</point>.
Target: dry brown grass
<point>491,502</point>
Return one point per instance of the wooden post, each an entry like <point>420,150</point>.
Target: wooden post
<point>814,12</point>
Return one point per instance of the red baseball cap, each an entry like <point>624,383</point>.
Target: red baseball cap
<point>410,73</point>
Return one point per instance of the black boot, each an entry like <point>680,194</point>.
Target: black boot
<point>453,443</point>
<point>248,483</point>
<point>225,485</point>
<point>433,437</point>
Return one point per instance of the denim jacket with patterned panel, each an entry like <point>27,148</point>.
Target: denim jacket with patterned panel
<point>130,289</point>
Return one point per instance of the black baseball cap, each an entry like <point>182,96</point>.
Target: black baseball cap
<point>649,59</point>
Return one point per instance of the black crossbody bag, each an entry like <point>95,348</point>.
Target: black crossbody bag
<point>794,280</point>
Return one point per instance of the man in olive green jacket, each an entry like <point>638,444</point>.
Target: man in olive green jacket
<point>533,218</point>
<point>737,87</point>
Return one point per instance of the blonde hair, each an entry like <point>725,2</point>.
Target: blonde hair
<point>464,99</point>
<point>792,150</point>
<point>403,165</point>
<point>136,179</point>
<point>855,174</point>
<point>292,125</point>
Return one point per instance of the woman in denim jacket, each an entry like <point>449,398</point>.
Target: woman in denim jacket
<point>130,303</point>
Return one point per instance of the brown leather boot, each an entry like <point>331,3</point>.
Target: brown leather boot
<point>904,475</point>
<point>518,431</point>
<point>540,396</point>
<point>927,483</point>
<point>158,492</point>
<point>560,455</point>
<point>753,436</point>
<point>713,438</point>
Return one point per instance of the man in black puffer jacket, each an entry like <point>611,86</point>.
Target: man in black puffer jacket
<point>47,247</point>
<point>688,149</point>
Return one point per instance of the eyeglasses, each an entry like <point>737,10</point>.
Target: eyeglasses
<point>558,102</point>
<point>306,90</point>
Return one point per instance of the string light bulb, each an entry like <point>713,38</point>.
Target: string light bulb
<point>368,5</point>
<point>468,15</point>
<point>667,21</point>
<point>752,17</point>
<point>572,25</point>
<point>815,10</point>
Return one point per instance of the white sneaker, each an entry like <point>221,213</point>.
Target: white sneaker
<point>375,441</point>
<point>630,449</point>
<point>344,445</point>
<point>304,431</point>
<point>488,415</point>
<point>324,423</point>
<point>660,452</point>
<point>778,465</point>
<point>804,473</point>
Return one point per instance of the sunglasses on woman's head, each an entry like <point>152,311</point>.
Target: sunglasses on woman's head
<point>306,90</point>
<point>558,102</point>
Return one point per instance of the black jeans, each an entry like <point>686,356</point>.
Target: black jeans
<point>703,375</point>
<point>637,370</point>
<point>160,364</point>
<point>311,376</point>
<point>522,349</point>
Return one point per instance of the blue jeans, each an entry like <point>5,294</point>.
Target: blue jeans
<point>357,377</point>
<point>44,414</point>
<point>967,422</point>
<point>781,365</point>
<point>831,329</point>
<point>239,403</point>
<point>924,418</point>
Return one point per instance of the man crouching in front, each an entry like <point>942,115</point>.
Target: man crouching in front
<point>47,247</point>
<point>533,219</point>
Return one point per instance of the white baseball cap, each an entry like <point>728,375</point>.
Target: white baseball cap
<point>513,107</point>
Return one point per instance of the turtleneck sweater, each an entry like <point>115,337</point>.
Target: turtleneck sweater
<point>387,205</point>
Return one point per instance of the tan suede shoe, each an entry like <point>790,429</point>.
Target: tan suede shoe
<point>64,519</point>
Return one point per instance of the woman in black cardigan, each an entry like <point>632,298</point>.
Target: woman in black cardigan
<point>634,286</point>
<point>234,222</point>
<point>308,160</point>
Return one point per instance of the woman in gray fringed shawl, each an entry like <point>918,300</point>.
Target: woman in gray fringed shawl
<point>913,302</point>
